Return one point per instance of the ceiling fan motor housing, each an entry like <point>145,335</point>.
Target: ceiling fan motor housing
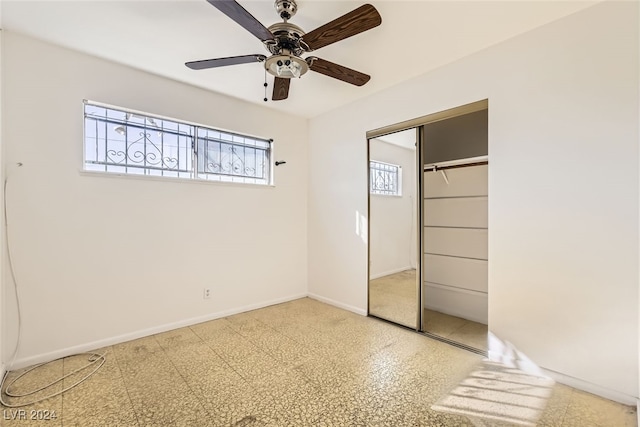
<point>286,37</point>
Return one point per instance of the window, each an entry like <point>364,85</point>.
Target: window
<point>385,178</point>
<point>121,141</point>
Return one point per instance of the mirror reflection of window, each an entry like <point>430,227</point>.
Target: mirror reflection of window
<point>385,178</point>
<point>393,235</point>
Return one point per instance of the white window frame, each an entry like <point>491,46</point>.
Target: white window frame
<point>388,168</point>
<point>139,148</point>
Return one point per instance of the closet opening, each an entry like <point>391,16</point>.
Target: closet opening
<point>428,225</point>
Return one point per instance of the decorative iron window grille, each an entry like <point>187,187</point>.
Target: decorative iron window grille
<point>221,153</point>
<point>384,178</point>
<point>122,141</point>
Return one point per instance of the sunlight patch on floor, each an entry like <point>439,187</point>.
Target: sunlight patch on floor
<point>497,392</point>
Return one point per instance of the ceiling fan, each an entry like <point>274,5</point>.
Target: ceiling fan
<point>287,43</point>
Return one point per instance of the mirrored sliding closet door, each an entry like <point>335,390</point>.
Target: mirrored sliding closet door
<point>393,228</point>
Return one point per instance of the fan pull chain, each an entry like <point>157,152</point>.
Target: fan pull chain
<point>265,85</point>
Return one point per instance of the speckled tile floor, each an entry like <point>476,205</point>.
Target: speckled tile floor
<point>457,329</point>
<point>393,297</point>
<point>302,363</point>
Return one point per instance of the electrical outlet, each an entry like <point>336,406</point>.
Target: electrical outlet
<point>207,293</point>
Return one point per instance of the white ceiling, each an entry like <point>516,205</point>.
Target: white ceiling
<point>160,36</point>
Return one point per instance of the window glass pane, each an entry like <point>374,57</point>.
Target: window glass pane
<point>222,154</point>
<point>126,142</point>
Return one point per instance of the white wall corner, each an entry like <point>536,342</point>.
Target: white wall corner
<point>338,304</point>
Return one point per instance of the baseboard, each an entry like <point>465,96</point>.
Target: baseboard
<point>505,352</point>
<point>338,304</point>
<point>390,272</point>
<point>592,388</point>
<point>57,354</point>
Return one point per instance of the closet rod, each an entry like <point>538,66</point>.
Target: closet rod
<point>460,163</point>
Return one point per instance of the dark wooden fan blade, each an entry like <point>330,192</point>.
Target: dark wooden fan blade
<point>280,89</point>
<point>361,19</point>
<point>223,62</point>
<point>339,72</point>
<point>239,14</point>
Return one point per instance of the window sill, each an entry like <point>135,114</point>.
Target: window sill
<point>385,195</point>
<point>117,175</point>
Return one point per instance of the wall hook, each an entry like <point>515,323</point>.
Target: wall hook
<point>281,162</point>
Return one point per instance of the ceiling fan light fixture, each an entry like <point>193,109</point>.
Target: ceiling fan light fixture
<point>286,66</point>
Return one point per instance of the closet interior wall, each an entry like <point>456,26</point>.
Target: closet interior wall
<point>455,242</point>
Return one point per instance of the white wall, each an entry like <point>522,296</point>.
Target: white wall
<point>563,186</point>
<point>392,218</point>
<point>2,230</point>
<point>101,258</point>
